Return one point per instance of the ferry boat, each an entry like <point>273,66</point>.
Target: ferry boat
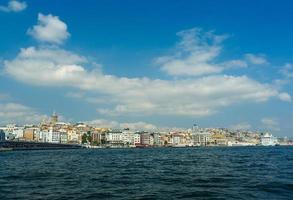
<point>268,140</point>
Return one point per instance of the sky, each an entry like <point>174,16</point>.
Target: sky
<point>148,64</point>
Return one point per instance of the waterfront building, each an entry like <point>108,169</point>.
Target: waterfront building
<point>136,139</point>
<point>178,139</point>
<point>9,128</point>
<point>18,133</point>
<point>63,137</point>
<point>54,136</point>
<point>50,136</point>
<point>127,137</point>
<point>43,135</point>
<point>146,139</point>
<point>201,138</point>
<point>114,138</point>
<point>218,139</point>
<point>157,139</point>
<point>31,134</point>
<point>283,141</point>
<point>97,137</point>
<point>73,136</point>
<point>165,139</point>
<point>12,132</point>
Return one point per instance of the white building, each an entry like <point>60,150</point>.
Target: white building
<point>136,138</point>
<point>201,138</point>
<point>127,137</point>
<point>18,132</point>
<point>50,136</point>
<point>73,136</point>
<point>12,131</point>
<point>114,138</point>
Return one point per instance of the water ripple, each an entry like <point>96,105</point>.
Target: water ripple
<point>158,173</point>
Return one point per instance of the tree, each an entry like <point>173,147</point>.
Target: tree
<point>84,138</point>
<point>165,143</point>
<point>89,138</point>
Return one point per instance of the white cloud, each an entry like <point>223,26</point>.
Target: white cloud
<point>49,29</point>
<point>18,113</point>
<point>287,70</point>
<point>195,97</point>
<point>256,59</point>
<point>241,126</point>
<point>103,123</point>
<point>3,96</point>
<point>285,97</point>
<point>14,6</point>
<point>197,54</point>
<point>64,65</point>
<point>234,64</point>
<point>75,95</point>
<point>270,123</point>
<point>138,126</point>
<point>194,54</point>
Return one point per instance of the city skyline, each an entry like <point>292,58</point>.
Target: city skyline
<point>113,63</point>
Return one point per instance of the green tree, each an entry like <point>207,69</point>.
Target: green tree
<point>89,138</point>
<point>84,138</point>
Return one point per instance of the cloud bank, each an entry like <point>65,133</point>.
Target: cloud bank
<point>202,90</point>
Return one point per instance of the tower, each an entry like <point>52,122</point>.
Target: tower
<point>54,118</point>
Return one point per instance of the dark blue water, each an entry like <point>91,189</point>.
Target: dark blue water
<point>158,173</point>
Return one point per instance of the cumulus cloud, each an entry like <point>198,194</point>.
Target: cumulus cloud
<point>197,53</point>
<point>195,97</point>
<point>64,65</point>
<point>49,29</point>
<point>285,97</point>
<point>194,54</point>
<point>14,6</point>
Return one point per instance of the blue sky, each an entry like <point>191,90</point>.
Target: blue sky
<point>148,63</point>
